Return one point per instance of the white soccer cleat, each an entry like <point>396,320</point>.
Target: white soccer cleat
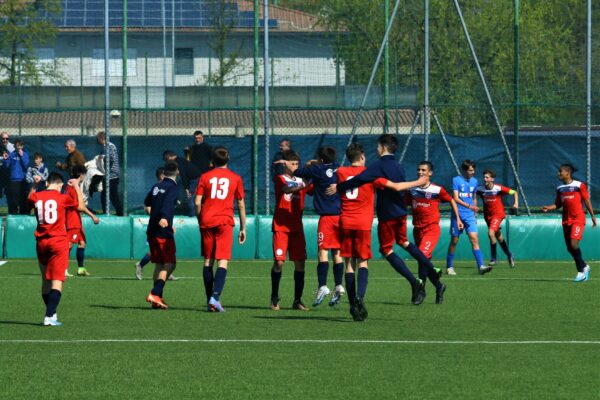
<point>450,271</point>
<point>67,274</point>
<point>338,292</point>
<point>586,271</point>
<point>321,294</point>
<point>172,278</point>
<point>581,277</point>
<point>52,321</point>
<point>138,271</point>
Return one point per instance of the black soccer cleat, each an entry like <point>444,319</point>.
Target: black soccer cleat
<point>485,269</point>
<point>439,294</point>
<point>355,314</point>
<point>362,310</point>
<point>418,293</point>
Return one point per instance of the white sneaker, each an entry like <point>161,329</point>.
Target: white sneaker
<point>67,274</point>
<point>173,278</point>
<point>52,321</point>
<point>586,271</point>
<point>321,294</point>
<point>450,271</point>
<point>580,277</point>
<point>338,292</point>
<point>138,271</point>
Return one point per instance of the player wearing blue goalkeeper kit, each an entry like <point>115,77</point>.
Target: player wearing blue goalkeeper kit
<point>464,188</point>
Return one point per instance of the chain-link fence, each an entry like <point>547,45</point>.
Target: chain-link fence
<point>200,65</point>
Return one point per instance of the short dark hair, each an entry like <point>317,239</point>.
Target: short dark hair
<point>168,154</point>
<point>326,153</point>
<point>286,140</point>
<point>55,177</point>
<point>198,133</point>
<point>170,169</point>
<point>19,142</point>
<point>568,167</point>
<point>77,170</point>
<point>220,156</point>
<point>388,141</point>
<point>101,134</point>
<point>290,155</point>
<point>159,171</point>
<point>466,164</point>
<point>428,163</point>
<point>354,151</point>
<point>490,172</point>
<point>37,155</point>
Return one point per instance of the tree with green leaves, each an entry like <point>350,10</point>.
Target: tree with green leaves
<point>22,30</point>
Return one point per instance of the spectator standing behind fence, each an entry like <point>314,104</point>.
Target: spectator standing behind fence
<point>74,157</point>
<point>17,163</point>
<point>6,147</point>
<point>37,174</point>
<point>113,176</point>
<point>200,154</point>
<point>279,169</point>
<point>189,178</point>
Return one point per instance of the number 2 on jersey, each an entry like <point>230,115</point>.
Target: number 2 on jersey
<point>219,188</point>
<point>47,212</point>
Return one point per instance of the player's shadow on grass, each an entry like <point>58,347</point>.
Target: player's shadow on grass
<point>237,307</point>
<point>19,323</point>
<point>143,308</point>
<point>303,317</point>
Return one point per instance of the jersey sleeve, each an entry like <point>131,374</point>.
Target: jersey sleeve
<point>505,189</point>
<point>584,192</point>
<point>380,183</point>
<point>558,200</point>
<point>455,183</point>
<point>148,199</point>
<point>200,187</point>
<point>239,190</point>
<point>445,196</point>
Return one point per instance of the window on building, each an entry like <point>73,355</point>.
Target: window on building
<point>115,65</point>
<point>184,61</point>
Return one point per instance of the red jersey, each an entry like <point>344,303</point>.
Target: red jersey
<point>425,204</point>
<point>50,210</point>
<point>358,203</point>
<point>569,197</point>
<point>290,206</point>
<point>492,200</point>
<point>73,216</point>
<point>218,188</point>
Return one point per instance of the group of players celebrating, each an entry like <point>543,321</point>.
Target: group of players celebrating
<point>344,198</point>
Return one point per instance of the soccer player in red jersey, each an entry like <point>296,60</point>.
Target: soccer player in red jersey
<point>215,196</point>
<point>52,245</point>
<point>425,201</point>
<point>493,212</point>
<point>161,201</point>
<point>569,196</point>
<point>356,222</point>
<point>74,226</point>
<point>288,231</point>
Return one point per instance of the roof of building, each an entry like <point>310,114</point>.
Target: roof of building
<point>226,122</point>
<point>185,15</point>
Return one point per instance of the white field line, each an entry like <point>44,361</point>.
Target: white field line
<point>309,341</point>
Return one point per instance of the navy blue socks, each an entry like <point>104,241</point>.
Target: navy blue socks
<point>145,260</point>
<point>53,300</point>
<point>159,285</point>
<point>322,269</point>
<point>80,256</point>
<point>505,249</point>
<point>298,285</point>
<point>400,267</point>
<point>208,277</point>
<point>275,279</point>
<point>350,287</point>
<point>493,251</point>
<point>363,281</point>
<point>338,273</point>
<point>219,282</point>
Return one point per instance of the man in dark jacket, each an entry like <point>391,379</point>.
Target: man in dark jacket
<point>17,163</point>
<point>189,178</point>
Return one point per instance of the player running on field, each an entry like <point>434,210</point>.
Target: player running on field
<point>74,226</point>
<point>463,191</point>
<point>569,196</point>
<point>322,173</point>
<point>52,245</point>
<point>288,231</point>
<point>161,200</point>
<point>215,196</point>
<point>493,212</point>
<point>391,213</point>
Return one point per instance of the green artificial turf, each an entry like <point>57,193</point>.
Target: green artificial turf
<point>485,341</point>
